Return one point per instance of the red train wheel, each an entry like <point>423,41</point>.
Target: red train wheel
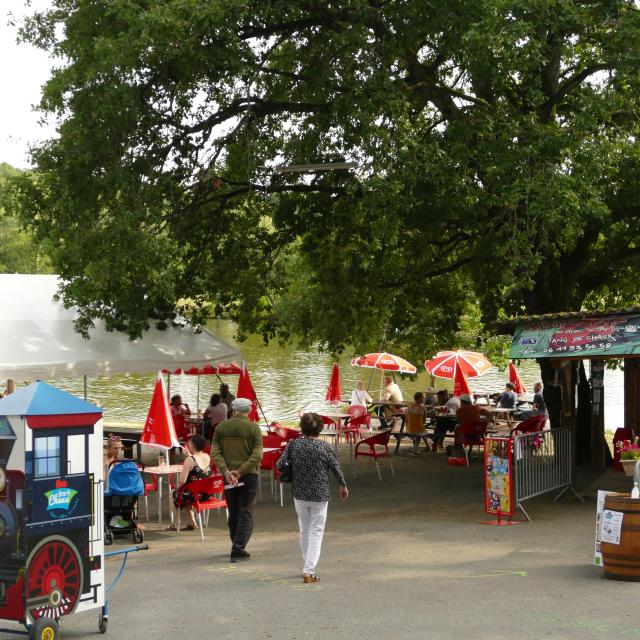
<point>54,579</point>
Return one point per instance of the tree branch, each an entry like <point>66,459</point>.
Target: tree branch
<point>569,84</point>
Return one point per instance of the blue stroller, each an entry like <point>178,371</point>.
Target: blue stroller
<point>123,486</point>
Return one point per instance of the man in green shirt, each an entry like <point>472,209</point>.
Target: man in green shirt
<point>237,451</point>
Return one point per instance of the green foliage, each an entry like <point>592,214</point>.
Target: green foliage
<point>495,143</point>
<point>18,251</point>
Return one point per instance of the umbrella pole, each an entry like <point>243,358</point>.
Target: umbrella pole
<point>198,398</point>
<point>261,410</point>
<point>370,380</point>
<point>85,386</point>
<point>168,384</point>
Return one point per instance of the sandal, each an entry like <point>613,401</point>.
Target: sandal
<point>171,527</point>
<point>189,527</point>
<point>308,579</point>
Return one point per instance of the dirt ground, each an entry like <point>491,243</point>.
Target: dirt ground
<point>403,558</point>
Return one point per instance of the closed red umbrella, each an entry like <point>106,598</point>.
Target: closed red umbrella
<point>245,390</point>
<point>460,383</point>
<point>514,379</point>
<point>334,392</point>
<point>159,430</point>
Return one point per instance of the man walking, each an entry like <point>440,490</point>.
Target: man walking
<point>237,451</point>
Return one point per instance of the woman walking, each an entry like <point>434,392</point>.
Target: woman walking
<point>310,460</point>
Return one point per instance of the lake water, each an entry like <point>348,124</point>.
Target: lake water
<point>288,380</point>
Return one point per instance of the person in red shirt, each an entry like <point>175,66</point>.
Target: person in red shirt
<point>469,415</point>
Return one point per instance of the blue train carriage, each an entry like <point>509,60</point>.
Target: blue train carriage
<point>51,507</point>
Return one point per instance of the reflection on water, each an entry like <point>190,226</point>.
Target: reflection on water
<point>288,380</point>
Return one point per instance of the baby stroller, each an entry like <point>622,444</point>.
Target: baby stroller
<point>123,486</point>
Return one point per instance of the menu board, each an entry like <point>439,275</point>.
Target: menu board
<point>498,474</point>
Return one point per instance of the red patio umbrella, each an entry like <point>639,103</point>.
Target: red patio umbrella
<point>334,392</point>
<point>460,383</point>
<point>245,390</point>
<point>514,379</point>
<point>385,362</point>
<point>159,430</point>
<point>445,363</point>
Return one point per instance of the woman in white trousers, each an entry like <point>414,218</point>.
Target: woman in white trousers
<point>311,460</point>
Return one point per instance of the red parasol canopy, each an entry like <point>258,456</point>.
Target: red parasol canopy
<point>245,390</point>
<point>159,430</point>
<point>334,392</point>
<point>445,363</point>
<point>221,368</point>
<point>460,384</point>
<point>514,379</point>
<point>385,362</point>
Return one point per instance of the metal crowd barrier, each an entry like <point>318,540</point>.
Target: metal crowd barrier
<point>541,464</point>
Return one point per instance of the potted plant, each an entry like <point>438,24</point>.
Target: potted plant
<point>629,453</point>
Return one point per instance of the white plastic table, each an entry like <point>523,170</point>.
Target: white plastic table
<point>161,471</point>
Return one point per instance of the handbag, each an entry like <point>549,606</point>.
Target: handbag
<point>286,473</point>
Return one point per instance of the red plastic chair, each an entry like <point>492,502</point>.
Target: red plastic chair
<point>530,425</point>
<point>284,433</point>
<point>149,487</point>
<point>213,487</point>
<point>269,459</point>
<point>375,447</point>
<point>621,434</point>
<point>470,435</point>
<point>183,429</point>
<point>361,418</point>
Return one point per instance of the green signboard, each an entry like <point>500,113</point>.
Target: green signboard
<point>588,338</point>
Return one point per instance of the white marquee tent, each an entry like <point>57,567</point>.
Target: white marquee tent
<point>38,339</point>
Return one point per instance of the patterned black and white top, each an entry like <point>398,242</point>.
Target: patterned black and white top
<point>310,461</point>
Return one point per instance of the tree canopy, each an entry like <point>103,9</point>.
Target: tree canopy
<point>19,253</point>
<point>494,143</point>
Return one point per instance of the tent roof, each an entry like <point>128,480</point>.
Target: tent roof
<point>41,399</point>
<point>38,339</point>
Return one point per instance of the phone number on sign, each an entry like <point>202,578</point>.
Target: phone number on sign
<point>600,346</point>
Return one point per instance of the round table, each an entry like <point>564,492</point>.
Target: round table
<point>161,471</point>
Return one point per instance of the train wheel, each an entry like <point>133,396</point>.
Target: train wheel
<point>44,629</point>
<point>54,579</point>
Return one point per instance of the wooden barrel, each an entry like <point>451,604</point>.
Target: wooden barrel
<point>622,561</point>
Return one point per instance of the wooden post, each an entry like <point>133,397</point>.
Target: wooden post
<point>598,443</point>
<point>631,394</point>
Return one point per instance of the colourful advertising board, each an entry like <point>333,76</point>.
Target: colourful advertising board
<point>589,337</point>
<point>498,473</point>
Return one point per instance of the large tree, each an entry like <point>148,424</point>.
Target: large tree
<point>495,145</point>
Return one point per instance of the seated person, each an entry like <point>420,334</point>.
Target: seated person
<point>470,417</point>
<point>444,423</point>
<point>416,419</point>
<point>508,398</point>
<point>214,414</point>
<point>226,397</point>
<point>195,467</point>
<point>538,405</point>
<point>390,394</point>
<point>112,452</point>
<point>430,398</point>
<point>179,413</point>
<point>360,396</point>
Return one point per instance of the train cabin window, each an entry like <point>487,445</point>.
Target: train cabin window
<point>47,457</point>
<point>76,454</point>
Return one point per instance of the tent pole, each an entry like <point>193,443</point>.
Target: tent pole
<point>85,386</point>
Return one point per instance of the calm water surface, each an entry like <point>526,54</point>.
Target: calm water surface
<point>288,380</point>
